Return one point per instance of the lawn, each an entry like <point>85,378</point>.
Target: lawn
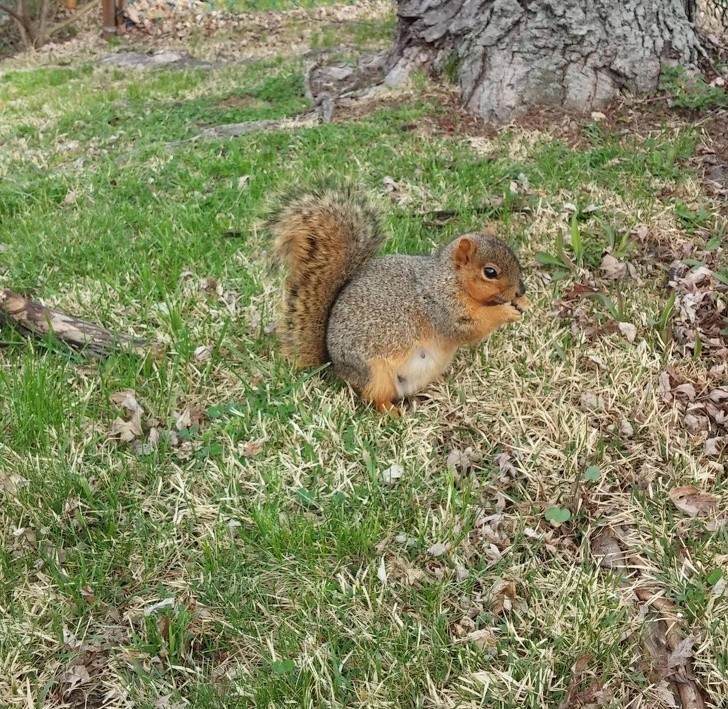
<point>202,526</point>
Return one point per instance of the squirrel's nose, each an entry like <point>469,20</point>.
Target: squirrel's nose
<point>521,289</point>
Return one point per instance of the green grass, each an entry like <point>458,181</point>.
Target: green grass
<point>691,92</point>
<point>265,516</point>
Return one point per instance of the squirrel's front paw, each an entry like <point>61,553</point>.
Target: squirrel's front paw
<point>510,312</point>
<point>515,309</point>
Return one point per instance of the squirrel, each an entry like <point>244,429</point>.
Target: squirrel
<point>388,325</point>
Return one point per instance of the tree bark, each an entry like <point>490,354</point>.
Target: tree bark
<point>507,55</point>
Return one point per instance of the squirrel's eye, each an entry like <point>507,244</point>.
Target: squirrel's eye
<point>489,272</point>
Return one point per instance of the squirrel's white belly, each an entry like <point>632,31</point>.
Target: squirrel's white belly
<point>424,364</point>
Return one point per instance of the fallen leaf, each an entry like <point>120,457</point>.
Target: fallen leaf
<point>251,448</point>
<point>575,697</point>
<point>154,438</point>
<point>126,431</point>
<point>641,231</point>
<point>713,446</point>
<point>628,330</point>
<point>682,652</point>
<point>382,572</point>
<point>126,399</point>
<point>505,465</point>
<point>183,420</point>
<point>700,276</point>
<point>687,389</point>
<point>483,638</point>
<point>483,678</point>
<point>577,291</point>
<point>663,691</point>
<point>503,593</point>
<point>163,627</point>
<point>203,353</point>
<point>626,429</point>
<point>438,549</point>
<point>390,185</point>
<point>70,640</point>
<point>164,603</point>
<point>210,285</point>
<point>401,569</point>
<point>589,401</point>
<point>696,424</point>
<point>612,268</point>
<point>392,474</point>
<point>462,461</point>
<point>74,677</point>
<point>131,429</point>
<point>693,502</point>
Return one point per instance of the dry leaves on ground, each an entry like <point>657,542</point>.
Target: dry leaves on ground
<point>700,315</point>
<point>702,403</point>
<point>130,428</point>
<point>668,653</point>
<point>693,502</point>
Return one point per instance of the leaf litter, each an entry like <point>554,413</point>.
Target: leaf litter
<point>670,652</point>
<point>702,403</point>
<point>700,314</point>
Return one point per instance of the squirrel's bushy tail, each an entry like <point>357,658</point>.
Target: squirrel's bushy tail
<point>324,237</point>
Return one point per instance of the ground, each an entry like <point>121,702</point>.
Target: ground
<point>202,526</point>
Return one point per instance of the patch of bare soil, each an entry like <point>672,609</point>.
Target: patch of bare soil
<point>453,119</point>
<point>244,101</point>
<point>358,110</point>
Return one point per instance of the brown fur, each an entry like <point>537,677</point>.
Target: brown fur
<point>388,325</point>
<point>498,295</point>
<point>325,238</point>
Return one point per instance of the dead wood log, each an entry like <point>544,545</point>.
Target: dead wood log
<point>34,319</point>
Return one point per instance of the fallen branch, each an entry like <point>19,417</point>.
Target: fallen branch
<point>32,318</point>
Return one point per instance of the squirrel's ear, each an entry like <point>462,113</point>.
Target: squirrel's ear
<point>464,252</point>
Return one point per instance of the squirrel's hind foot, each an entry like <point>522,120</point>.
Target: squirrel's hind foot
<point>388,407</point>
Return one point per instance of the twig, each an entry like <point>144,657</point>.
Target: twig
<point>79,14</point>
<point>22,20</point>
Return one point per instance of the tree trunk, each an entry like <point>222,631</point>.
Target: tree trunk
<point>507,55</point>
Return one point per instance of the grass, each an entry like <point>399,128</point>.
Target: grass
<point>293,573</point>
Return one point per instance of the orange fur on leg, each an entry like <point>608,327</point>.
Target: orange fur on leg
<point>381,389</point>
